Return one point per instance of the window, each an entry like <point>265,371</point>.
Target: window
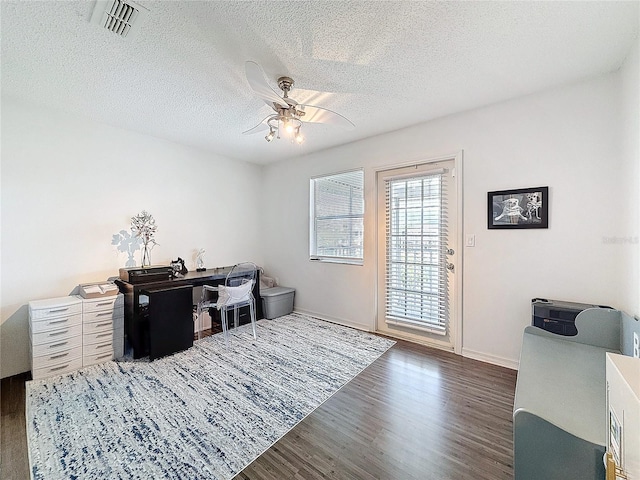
<point>337,217</point>
<point>416,265</point>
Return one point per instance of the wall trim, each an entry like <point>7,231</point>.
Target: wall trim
<point>488,358</point>
<point>338,321</point>
<point>468,353</point>
<point>425,342</point>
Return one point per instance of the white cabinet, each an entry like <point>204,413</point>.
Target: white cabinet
<point>623,401</point>
<point>70,332</point>
<point>55,329</point>
<point>102,329</point>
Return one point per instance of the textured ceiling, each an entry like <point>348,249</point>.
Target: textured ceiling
<point>383,65</point>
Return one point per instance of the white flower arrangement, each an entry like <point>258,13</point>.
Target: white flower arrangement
<point>144,227</point>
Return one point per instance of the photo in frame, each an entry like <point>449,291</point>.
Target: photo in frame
<point>518,208</point>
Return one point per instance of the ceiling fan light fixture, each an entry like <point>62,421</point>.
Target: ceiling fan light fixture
<point>287,119</point>
<point>288,127</point>
<point>270,135</point>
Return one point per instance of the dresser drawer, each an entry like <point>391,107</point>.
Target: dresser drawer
<point>58,334</point>
<point>97,353</point>
<point>55,358</point>
<point>57,346</point>
<point>53,323</point>
<point>112,304</point>
<point>97,316</point>
<point>100,347</point>
<point>97,337</point>
<point>54,307</point>
<point>106,325</point>
<point>97,358</point>
<point>58,369</point>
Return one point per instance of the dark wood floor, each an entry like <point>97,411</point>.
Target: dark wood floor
<point>14,464</point>
<point>415,413</point>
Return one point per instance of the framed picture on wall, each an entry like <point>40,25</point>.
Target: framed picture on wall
<point>520,208</point>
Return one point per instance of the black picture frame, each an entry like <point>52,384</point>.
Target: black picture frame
<point>518,208</point>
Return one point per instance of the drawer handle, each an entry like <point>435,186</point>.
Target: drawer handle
<point>58,344</point>
<point>103,335</point>
<point>60,355</point>
<point>58,368</point>
<point>102,324</point>
<point>103,345</point>
<point>103,356</point>
<point>53,322</point>
<point>102,314</point>
<point>56,310</point>
<point>104,303</point>
<point>54,334</point>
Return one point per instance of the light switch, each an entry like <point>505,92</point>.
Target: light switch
<point>470,240</point>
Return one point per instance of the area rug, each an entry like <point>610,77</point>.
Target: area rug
<point>204,413</point>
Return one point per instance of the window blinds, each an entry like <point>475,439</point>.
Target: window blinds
<point>416,231</point>
<point>338,216</point>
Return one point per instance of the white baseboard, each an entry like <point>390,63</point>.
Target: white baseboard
<point>483,357</point>
<point>488,358</point>
<point>339,321</point>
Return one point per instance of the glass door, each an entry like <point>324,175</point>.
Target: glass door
<point>416,264</point>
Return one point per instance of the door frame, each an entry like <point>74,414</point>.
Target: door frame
<point>455,321</point>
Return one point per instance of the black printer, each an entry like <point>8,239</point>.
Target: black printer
<point>557,316</point>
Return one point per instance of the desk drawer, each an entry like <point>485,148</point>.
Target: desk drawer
<point>58,369</point>
<point>53,359</point>
<point>57,346</point>
<point>58,334</point>
<point>53,323</point>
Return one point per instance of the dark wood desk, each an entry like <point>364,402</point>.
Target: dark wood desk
<point>137,327</point>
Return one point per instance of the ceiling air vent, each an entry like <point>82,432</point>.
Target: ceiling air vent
<point>122,17</point>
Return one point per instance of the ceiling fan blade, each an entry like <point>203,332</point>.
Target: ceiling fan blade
<point>258,82</point>
<point>262,126</point>
<point>315,114</point>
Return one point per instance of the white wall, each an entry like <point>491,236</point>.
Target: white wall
<point>569,139</point>
<point>69,184</point>
<point>629,242</point>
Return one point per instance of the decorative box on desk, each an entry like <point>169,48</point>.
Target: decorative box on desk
<point>102,329</point>
<point>55,329</point>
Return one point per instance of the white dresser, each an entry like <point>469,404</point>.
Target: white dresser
<point>102,329</point>
<point>55,328</point>
<point>68,333</point>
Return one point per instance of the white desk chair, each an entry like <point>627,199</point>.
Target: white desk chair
<point>236,292</point>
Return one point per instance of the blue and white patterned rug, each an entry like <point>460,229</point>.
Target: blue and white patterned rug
<point>203,413</point>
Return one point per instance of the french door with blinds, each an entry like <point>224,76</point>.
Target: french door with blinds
<point>416,261</point>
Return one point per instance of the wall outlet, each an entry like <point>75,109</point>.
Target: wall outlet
<point>636,345</point>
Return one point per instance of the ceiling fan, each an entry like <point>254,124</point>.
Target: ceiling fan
<point>289,115</point>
